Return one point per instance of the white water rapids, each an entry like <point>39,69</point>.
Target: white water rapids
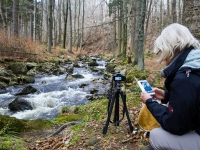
<point>53,93</point>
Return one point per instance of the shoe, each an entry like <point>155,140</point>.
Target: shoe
<point>148,148</point>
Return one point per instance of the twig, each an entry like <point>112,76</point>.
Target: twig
<point>63,127</point>
<point>127,140</point>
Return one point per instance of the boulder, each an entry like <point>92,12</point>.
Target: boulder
<point>3,72</point>
<point>18,68</point>
<point>27,90</point>
<point>19,105</point>
<point>31,65</point>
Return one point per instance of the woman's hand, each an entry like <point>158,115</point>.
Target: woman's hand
<point>144,96</point>
<point>159,94</point>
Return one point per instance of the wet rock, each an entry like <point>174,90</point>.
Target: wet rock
<point>32,72</point>
<point>18,68</point>
<point>78,76</point>
<point>3,72</point>
<point>31,65</point>
<point>19,105</point>
<point>3,85</point>
<point>110,68</point>
<point>4,79</point>
<point>26,79</point>
<point>27,90</point>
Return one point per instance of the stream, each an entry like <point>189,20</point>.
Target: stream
<point>55,92</point>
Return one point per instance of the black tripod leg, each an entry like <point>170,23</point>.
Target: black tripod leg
<point>116,114</point>
<point>109,115</point>
<point>126,111</point>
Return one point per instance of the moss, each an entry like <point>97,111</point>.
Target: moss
<point>11,124</point>
<point>37,124</point>
<point>74,139</point>
<point>71,117</point>
<point>8,142</point>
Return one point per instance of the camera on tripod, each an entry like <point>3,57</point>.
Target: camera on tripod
<point>119,77</point>
<point>113,101</point>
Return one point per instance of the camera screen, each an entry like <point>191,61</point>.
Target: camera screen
<point>118,78</point>
<point>146,86</point>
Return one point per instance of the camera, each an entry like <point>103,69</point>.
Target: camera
<point>119,77</point>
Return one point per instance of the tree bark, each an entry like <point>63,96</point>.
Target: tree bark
<point>191,16</point>
<point>141,36</point>
<point>50,24</point>
<point>15,17</point>
<point>65,26</point>
<point>70,27</point>
<point>174,15</point>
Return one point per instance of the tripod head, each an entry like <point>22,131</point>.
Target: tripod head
<point>118,79</point>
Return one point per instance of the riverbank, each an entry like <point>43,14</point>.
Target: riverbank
<point>91,118</point>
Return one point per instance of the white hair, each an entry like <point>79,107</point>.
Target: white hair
<point>174,39</point>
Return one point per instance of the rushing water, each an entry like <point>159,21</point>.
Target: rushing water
<point>53,93</point>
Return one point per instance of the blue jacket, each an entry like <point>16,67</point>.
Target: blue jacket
<point>183,96</point>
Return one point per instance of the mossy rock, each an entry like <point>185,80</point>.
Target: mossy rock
<point>28,79</point>
<point>12,124</point>
<point>4,79</point>
<point>3,85</point>
<point>32,72</point>
<point>11,143</point>
<point>110,68</point>
<point>3,72</point>
<point>18,67</point>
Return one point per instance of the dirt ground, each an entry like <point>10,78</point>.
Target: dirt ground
<point>118,138</point>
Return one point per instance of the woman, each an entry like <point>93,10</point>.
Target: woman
<point>180,120</point>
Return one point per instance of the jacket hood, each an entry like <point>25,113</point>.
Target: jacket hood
<point>193,59</point>
<point>178,61</point>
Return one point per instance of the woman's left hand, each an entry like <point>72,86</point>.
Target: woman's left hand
<point>144,96</point>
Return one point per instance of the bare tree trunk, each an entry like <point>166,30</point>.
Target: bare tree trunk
<point>75,17</point>
<point>41,21</point>
<point>174,15</point>
<point>70,27</point>
<point>119,28</point>
<point>78,34</point>
<point>114,30</point>
<point>124,32</point>
<point>54,25</point>
<point>180,12</point>
<point>3,17</point>
<point>168,13</point>
<point>161,19</point>
<point>59,23</point>
<point>47,21</point>
<point>136,46</point>
<point>191,17</point>
<point>15,17</point>
<point>35,18</point>
<point>31,26</point>
<point>147,21</point>
<point>65,26</point>
<point>50,24</point>
<point>82,30</point>
<point>141,36</point>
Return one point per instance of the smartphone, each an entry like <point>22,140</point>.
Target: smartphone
<point>145,86</point>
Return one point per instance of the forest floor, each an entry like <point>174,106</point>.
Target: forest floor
<point>89,135</point>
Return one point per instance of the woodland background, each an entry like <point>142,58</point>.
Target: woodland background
<point>123,27</point>
<point>32,30</point>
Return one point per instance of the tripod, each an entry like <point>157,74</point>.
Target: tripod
<point>113,98</point>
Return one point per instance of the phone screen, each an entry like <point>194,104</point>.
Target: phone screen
<point>146,86</point>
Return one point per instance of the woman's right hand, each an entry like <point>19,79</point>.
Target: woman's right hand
<point>159,94</point>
